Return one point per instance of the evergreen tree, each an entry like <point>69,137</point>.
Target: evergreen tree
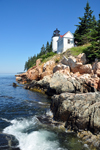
<point>50,47</point>
<point>84,29</point>
<point>47,47</point>
<point>43,51</point>
<point>94,50</point>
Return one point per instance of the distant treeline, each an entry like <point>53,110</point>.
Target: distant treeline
<point>44,53</point>
<point>88,31</point>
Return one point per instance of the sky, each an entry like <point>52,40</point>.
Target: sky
<point>25,25</point>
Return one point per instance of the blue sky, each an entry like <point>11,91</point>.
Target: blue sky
<point>25,25</point>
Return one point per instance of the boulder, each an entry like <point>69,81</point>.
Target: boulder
<point>64,61</point>
<point>49,65</point>
<point>81,58</point>
<point>22,78</point>
<point>73,64</point>
<point>94,82</point>
<point>96,68</point>
<point>31,69</point>
<point>14,84</point>
<point>18,79</point>
<point>64,83</point>
<point>34,74</point>
<point>85,69</point>
<point>38,61</point>
<point>61,67</point>
<point>8,142</point>
<point>46,73</point>
<point>79,111</point>
<point>60,83</point>
<point>77,64</point>
<point>91,139</point>
<point>45,81</point>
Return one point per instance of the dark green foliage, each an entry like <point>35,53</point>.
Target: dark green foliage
<point>43,50</point>
<point>87,24</point>
<point>31,62</point>
<point>93,51</point>
<point>48,47</point>
<point>47,55</point>
<point>44,53</point>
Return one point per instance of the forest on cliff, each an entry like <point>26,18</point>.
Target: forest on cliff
<point>87,31</point>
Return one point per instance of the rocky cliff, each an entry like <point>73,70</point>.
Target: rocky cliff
<point>74,87</point>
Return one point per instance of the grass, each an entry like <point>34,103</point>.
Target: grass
<point>77,50</point>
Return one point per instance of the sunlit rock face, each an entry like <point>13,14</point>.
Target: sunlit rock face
<point>79,111</point>
<point>96,68</point>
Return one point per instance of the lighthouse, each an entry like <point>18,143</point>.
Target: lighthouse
<point>55,38</point>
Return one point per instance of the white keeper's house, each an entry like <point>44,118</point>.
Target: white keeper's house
<point>60,43</point>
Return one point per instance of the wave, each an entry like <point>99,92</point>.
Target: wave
<point>31,138</point>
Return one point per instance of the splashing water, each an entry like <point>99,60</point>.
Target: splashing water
<point>34,140</point>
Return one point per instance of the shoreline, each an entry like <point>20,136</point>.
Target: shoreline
<point>87,137</point>
<point>74,88</point>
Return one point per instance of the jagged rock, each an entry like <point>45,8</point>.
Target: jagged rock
<point>35,73</point>
<point>45,81</point>
<point>18,79</point>
<point>38,61</point>
<point>49,65</point>
<point>94,82</point>
<point>64,61</point>
<point>46,73</point>
<point>61,67</point>
<point>81,58</point>
<point>77,64</point>
<point>8,142</point>
<point>80,111</point>
<point>85,69</point>
<point>73,64</point>
<point>14,84</point>
<point>63,83</point>
<point>96,68</point>
<point>60,83</point>
<point>31,69</point>
<point>88,137</point>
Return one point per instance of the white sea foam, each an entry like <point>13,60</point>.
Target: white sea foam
<point>5,119</point>
<point>35,140</point>
<point>49,113</point>
<point>41,103</point>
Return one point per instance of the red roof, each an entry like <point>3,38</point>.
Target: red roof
<point>62,35</point>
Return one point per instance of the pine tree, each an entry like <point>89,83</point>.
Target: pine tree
<point>43,50</point>
<point>83,32</point>
<point>47,47</point>
<point>94,50</point>
<point>50,47</point>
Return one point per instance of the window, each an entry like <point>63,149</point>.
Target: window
<point>68,41</point>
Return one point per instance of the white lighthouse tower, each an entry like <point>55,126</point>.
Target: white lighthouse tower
<point>55,37</point>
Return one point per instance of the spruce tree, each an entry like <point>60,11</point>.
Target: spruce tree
<point>43,51</point>
<point>47,47</point>
<point>83,32</point>
<point>94,50</point>
<point>50,47</point>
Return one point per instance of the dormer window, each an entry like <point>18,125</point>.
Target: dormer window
<point>68,41</point>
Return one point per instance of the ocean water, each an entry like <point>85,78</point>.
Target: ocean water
<point>20,128</point>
